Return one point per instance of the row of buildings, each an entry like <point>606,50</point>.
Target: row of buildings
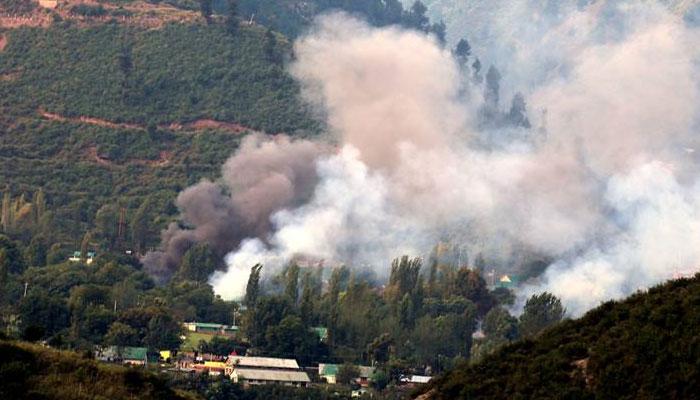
<point>247,371</point>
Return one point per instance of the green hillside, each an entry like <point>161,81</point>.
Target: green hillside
<point>178,73</point>
<point>114,115</point>
<point>645,347</point>
<point>33,372</point>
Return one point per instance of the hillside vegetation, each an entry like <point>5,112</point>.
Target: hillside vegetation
<point>179,73</point>
<point>33,372</point>
<point>113,116</point>
<point>645,347</point>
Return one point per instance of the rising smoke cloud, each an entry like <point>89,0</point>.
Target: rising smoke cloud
<point>264,176</point>
<point>606,188</point>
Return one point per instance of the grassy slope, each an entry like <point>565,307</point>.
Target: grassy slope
<point>641,348</point>
<point>33,372</point>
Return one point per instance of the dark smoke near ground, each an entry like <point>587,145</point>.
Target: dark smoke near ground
<point>262,177</point>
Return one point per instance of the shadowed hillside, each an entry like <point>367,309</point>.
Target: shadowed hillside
<point>645,347</point>
<point>33,372</point>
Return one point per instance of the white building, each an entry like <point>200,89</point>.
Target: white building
<point>266,370</point>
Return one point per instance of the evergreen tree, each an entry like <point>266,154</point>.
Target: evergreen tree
<point>462,51</point>
<point>440,31</point>
<point>252,290</point>
<point>517,116</point>
<point>417,18</point>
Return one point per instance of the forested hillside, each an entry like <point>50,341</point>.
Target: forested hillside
<point>116,116</point>
<point>645,347</point>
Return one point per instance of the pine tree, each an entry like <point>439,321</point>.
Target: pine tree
<point>517,116</point>
<point>462,51</point>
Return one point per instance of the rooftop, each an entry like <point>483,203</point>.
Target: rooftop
<point>263,362</point>
<point>272,375</point>
<point>328,369</point>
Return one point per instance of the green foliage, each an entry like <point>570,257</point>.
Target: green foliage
<point>79,174</point>
<point>163,332</point>
<point>35,372</point>
<point>198,263</point>
<point>643,347</point>
<point>252,289</point>
<point>541,311</point>
<point>88,10</point>
<point>347,373</point>
<point>222,346</point>
<point>17,7</point>
<point>291,288</point>
<point>292,338</point>
<point>177,74</point>
<point>292,17</point>
<point>10,259</point>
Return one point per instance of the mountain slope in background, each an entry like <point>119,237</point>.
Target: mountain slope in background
<point>644,347</point>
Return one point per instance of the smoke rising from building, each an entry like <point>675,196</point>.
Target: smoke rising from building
<point>608,190</point>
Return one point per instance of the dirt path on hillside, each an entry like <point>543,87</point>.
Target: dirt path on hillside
<point>164,158</point>
<point>193,127</point>
<point>204,124</point>
<point>89,120</point>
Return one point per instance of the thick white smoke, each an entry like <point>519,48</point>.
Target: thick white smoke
<point>608,191</point>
